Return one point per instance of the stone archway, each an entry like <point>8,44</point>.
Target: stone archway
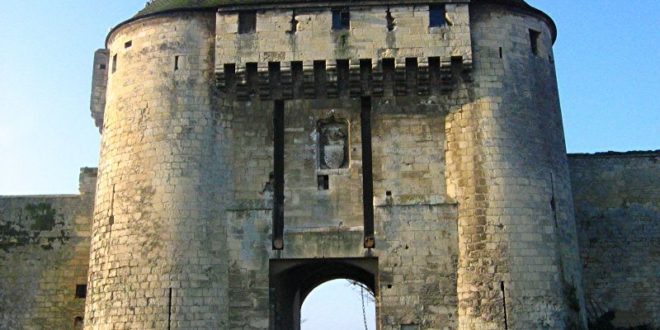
<point>291,280</point>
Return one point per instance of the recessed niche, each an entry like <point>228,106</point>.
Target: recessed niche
<point>81,291</point>
<point>534,37</point>
<point>437,15</point>
<point>323,182</point>
<point>341,19</point>
<point>247,22</point>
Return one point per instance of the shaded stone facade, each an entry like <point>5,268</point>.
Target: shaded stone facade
<point>250,153</point>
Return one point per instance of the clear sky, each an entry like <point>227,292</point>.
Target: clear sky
<point>607,57</point>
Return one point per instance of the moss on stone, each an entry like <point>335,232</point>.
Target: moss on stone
<point>42,215</point>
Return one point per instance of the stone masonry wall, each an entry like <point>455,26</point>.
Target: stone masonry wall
<point>367,38</point>
<point>44,255</point>
<point>158,251</point>
<point>617,204</point>
<point>506,166</point>
<point>415,228</point>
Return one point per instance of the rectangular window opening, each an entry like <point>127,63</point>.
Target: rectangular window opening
<point>534,37</point>
<point>81,291</point>
<point>247,22</point>
<point>176,63</point>
<point>114,63</point>
<point>437,15</point>
<point>101,66</point>
<point>323,182</point>
<point>341,19</point>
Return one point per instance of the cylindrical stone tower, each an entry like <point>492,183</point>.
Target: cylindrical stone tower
<point>507,167</point>
<point>157,254</point>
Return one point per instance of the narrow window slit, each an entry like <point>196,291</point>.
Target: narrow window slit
<point>553,200</point>
<point>278,169</point>
<point>506,321</point>
<point>176,62</point>
<point>501,54</point>
<point>367,178</point>
<point>169,310</point>
<point>128,44</point>
<point>534,37</point>
<point>114,63</point>
<point>111,218</point>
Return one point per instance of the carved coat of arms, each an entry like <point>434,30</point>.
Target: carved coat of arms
<point>333,146</point>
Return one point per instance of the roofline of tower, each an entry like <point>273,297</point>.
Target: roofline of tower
<point>527,9</point>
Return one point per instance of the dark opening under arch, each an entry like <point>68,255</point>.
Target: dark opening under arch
<point>291,280</point>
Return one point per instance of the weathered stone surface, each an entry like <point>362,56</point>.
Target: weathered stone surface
<point>452,133</point>
<point>44,255</point>
<point>617,204</point>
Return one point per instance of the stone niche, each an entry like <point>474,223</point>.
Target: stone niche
<point>333,140</point>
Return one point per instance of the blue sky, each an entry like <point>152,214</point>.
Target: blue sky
<point>607,57</point>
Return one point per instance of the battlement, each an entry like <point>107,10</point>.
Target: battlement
<point>342,78</point>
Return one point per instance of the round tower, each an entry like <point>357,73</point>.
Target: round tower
<point>507,167</point>
<point>157,253</point>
